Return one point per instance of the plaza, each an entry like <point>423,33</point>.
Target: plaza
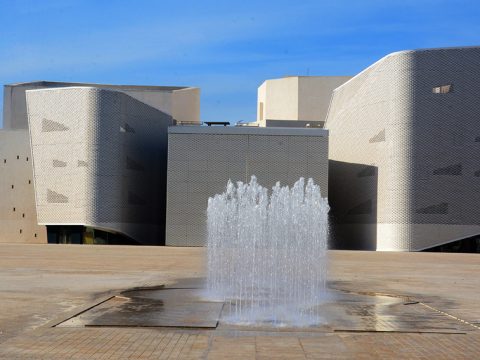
<point>44,285</point>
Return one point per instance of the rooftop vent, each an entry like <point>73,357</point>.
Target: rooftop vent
<point>224,123</point>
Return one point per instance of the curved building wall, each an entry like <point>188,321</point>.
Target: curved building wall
<point>405,151</point>
<point>99,159</point>
<point>182,103</point>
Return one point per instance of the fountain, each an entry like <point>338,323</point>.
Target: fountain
<point>267,254</point>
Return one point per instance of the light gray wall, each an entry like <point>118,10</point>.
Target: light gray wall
<point>202,159</point>
<point>406,161</point>
<point>314,95</point>
<point>99,160</point>
<point>18,218</point>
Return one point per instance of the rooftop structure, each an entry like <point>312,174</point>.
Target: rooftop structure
<point>296,101</point>
<point>180,102</point>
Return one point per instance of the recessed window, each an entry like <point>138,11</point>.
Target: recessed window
<point>50,125</point>
<point>27,158</point>
<point>127,128</point>
<point>18,157</point>
<point>23,215</point>
<point>29,181</point>
<point>35,234</point>
<point>12,186</point>
<point>20,231</point>
<point>443,89</point>
<point>59,163</point>
<point>13,209</point>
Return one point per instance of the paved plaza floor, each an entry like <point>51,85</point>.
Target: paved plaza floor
<point>391,305</point>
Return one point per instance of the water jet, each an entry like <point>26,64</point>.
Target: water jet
<point>267,254</point>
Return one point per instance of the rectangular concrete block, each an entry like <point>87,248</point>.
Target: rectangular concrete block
<point>234,154</point>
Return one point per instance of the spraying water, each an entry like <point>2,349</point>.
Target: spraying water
<point>267,255</point>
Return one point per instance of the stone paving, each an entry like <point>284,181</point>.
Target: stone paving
<point>141,343</point>
<point>41,285</point>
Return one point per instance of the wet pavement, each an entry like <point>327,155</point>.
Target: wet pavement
<point>182,308</point>
<point>183,305</point>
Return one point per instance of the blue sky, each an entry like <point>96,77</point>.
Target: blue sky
<point>227,48</point>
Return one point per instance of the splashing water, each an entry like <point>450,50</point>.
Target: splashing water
<point>267,255</point>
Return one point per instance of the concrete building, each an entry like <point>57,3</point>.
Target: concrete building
<point>202,159</point>
<point>296,101</point>
<point>405,150</point>
<point>99,155</point>
<point>18,218</point>
<point>403,169</point>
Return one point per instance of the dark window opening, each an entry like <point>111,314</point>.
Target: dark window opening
<point>85,235</point>
<point>455,170</point>
<point>18,157</point>
<point>27,158</point>
<point>12,186</point>
<point>20,231</point>
<point>35,235</point>
<point>441,208</point>
<point>23,215</point>
<point>13,209</point>
<point>29,181</point>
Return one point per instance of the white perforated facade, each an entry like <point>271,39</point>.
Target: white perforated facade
<point>202,159</point>
<point>405,151</point>
<point>99,160</point>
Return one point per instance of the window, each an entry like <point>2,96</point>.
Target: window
<point>29,181</point>
<point>12,186</point>
<point>443,89</point>
<point>59,163</point>
<point>35,234</point>
<point>20,231</point>
<point>13,209</point>
<point>23,215</point>
<point>50,125</point>
<point>127,128</point>
<point>18,157</point>
<point>27,158</point>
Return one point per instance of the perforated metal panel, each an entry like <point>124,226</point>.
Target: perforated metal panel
<point>423,146</point>
<point>200,164</point>
<point>99,160</point>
